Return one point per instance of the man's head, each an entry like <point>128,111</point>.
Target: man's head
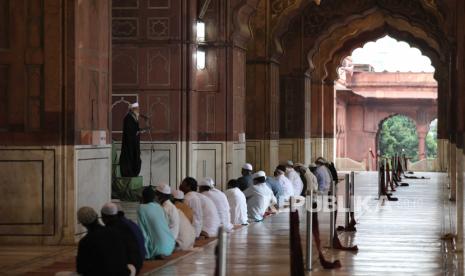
<point>109,212</point>
<point>178,195</point>
<point>87,216</point>
<point>300,168</point>
<point>232,184</point>
<point>246,169</point>
<point>189,184</point>
<point>312,167</point>
<point>163,192</point>
<point>320,161</point>
<point>289,164</point>
<point>206,184</point>
<point>280,170</point>
<point>135,108</point>
<point>259,177</point>
<point>148,195</point>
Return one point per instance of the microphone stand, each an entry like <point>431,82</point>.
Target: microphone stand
<point>148,123</point>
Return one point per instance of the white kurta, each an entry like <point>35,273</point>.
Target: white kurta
<point>222,205</point>
<point>172,216</point>
<point>297,183</point>
<point>192,200</point>
<point>259,198</point>
<point>186,237</point>
<point>238,206</point>
<point>286,186</point>
<point>210,220</point>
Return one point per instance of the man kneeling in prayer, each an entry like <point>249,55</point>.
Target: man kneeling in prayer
<point>237,203</point>
<point>181,228</point>
<point>207,188</point>
<point>178,200</point>
<point>159,242</point>
<point>111,219</point>
<point>259,197</point>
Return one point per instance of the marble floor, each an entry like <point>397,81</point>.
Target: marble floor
<point>394,238</point>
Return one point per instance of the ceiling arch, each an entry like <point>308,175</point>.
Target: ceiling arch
<point>377,21</point>
<point>425,14</point>
<point>332,65</point>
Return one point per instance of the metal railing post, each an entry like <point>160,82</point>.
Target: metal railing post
<point>222,251</point>
<point>331,214</point>
<point>347,200</point>
<point>352,191</point>
<point>309,243</point>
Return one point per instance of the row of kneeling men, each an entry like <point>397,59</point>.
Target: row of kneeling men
<point>169,220</point>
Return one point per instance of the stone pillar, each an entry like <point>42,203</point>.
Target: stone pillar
<point>459,199</point>
<point>262,123</point>
<point>329,120</point>
<point>316,126</point>
<point>55,145</point>
<point>452,172</point>
<point>294,142</point>
<point>421,145</point>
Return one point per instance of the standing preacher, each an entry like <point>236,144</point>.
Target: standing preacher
<point>130,161</point>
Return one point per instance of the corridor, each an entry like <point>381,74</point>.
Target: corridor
<point>401,238</point>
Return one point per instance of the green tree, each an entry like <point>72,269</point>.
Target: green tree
<point>432,140</point>
<point>398,133</point>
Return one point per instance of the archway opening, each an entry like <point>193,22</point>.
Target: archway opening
<point>398,135</point>
<point>384,78</point>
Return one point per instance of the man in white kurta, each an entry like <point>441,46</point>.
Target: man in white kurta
<point>210,219</point>
<point>163,193</point>
<point>294,177</point>
<point>207,188</point>
<point>284,182</point>
<point>259,197</point>
<point>237,203</point>
<point>192,199</point>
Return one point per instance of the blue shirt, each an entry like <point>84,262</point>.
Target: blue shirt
<point>157,235</point>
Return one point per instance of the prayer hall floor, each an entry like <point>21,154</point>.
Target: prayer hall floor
<point>402,238</point>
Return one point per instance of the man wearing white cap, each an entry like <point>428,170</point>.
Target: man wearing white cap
<point>192,199</point>
<point>237,203</point>
<point>294,177</point>
<point>111,219</point>
<point>178,200</point>
<point>182,230</point>
<point>245,181</point>
<point>207,188</point>
<point>129,161</point>
<point>163,195</point>
<point>286,185</point>
<point>259,197</point>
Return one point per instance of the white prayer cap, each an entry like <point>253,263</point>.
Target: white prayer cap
<point>313,165</point>
<point>163,188</point>
<point>289,163</point>
<point>299,165</point>
<point>177,194</point>
<point>206,182</point>
<point>247,166</point>
<point>135,105</point>
<point>86,215</point>
<point>109,209</point>
<point>212,182</point>
<point>259,174</point>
